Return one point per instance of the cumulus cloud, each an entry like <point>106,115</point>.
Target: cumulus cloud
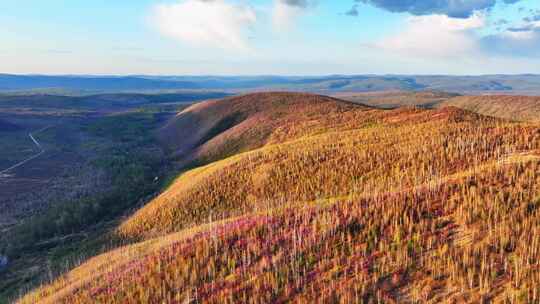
<point>208,23</point>
<point>439,36</point>
<point>450,8</point>
<point>435,36</point>
<point>286,12</point>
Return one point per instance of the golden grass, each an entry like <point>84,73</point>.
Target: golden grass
<point>385,247</point>
<point>374,151</point>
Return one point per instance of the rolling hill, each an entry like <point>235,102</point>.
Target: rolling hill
<point>305,198</point>
<point>519,108</point>
<point>219,128</point>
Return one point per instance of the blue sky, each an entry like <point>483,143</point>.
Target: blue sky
<point>288,37</point>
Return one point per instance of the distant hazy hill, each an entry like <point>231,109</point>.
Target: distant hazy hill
<point>523,84</point>
<point>522,108</point>
<point>28,82</point>
<point>526,84</point>
<point>101,101</point>
<point>7,126</point>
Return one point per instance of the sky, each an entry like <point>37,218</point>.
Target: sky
<point>270,37</point>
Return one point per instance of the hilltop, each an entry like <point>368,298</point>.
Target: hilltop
<point>215,129</point>
<point>306,198</point>
<point>521,108</point>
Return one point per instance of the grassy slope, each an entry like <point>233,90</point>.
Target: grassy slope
<point>404,205</point>
<point>520,108</point>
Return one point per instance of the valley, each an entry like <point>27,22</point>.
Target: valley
<point>55,191</point>
<point>4,173</point>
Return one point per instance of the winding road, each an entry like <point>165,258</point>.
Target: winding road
<point>41,151</point>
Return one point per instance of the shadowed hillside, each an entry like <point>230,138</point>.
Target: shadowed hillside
<point>522,108</point>
<point>328,201</point>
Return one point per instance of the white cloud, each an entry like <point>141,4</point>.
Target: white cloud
<point>445,38</point>
<point>436,36</point>
<point>206,23</point>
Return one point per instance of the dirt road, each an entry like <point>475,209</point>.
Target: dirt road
<point>4,172</point>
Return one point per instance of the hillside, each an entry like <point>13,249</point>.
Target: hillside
<point>324,200</point>
<point>522,108</point>
<point>215,129</point>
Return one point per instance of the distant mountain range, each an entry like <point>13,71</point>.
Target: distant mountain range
<point>29,82</point>
<point>522,84</point>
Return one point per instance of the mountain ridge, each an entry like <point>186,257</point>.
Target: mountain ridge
<point>402,206</point>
